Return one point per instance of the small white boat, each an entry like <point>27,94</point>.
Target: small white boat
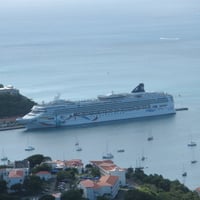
<point>120,150</point>
<point>4,158</point>
<point>192,144</point>
<point>78,149</point>
<point>150,138</point>
<point>143,158</point>
<point>76,144</point>
<point>29,148</point>
<point>184,174</point>
<point>193,161</point>
<point>108,156</point>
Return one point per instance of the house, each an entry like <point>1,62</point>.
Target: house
<point>15,176</point>
<point>55,165</point>
<point>44,175</point>
<point>58,165</point>
<point>9,90</point>
<point>107,167</point>
<point>106,185</point>
<point>75,163</point>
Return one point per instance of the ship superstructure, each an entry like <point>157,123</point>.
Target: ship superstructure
<point>105,108</point>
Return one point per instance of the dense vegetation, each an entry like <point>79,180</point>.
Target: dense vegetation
<point>155,187</point>
<point>14,105</point>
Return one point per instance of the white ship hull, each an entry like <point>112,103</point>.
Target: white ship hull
<point>66,120</point>
<point>104,109</point>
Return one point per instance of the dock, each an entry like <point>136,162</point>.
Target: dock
<point>181,109</point>
<point>9,123</point>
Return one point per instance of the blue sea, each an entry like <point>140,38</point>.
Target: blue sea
<point>81,49</point>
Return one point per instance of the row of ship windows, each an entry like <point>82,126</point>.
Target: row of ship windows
<point>105,109</point>
<point>126,106</point>
<point>95,111</point>
<point>114,110</point>
<point>132,103</point>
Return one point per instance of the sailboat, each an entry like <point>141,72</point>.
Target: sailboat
<point>143,158</point>
<point>138,165</point>
<point>184,174</point>
<point>76,143</point>
<point>107,155</point>
<point>120,150</point>
<point>78,148</point>
<point>193,161</point>
<point>4,158</point>
<point>150,137</point>
<point>192,143</point>
<point>29,147</point>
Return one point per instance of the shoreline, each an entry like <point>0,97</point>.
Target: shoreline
<point>11,127</point>
<point>9,123</point>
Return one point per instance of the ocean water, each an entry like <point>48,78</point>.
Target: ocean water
<point>80,49</point>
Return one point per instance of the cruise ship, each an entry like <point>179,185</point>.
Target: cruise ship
<point>104,108</point>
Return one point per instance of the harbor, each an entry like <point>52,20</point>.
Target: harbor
<point>9,123</point>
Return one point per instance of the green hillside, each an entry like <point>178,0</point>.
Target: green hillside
<point>14,105</point>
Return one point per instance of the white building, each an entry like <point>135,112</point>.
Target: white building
<point>107,167</point>
<point>9,90</point>
<point>62,165</point>
<point>15,176</point>
<point>107,185</point>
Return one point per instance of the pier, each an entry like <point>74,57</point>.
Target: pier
<point>181,109</point>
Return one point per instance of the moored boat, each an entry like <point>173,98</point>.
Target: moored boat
<point>108,156</point>
<point>29,148</point>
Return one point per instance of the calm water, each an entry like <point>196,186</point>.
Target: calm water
<point>83,49</point>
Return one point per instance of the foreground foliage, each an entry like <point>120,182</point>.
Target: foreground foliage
<point>155,187</point>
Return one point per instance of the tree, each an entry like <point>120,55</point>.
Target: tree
<point>47,197</point>
<point>9,197</point>
<point>72,195</point>
<point>95,172</point>
<point>36,159</point>
<point>17,187</point>
<point>3,187</point>
<point>69,175</point>
<point>43,167</point>
<point>33,184</point>
<point>138,195</point>
<point>102,198</point>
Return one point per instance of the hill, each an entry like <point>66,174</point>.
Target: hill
<point>12,103</point>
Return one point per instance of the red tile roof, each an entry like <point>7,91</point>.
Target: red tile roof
<point>107,165</point>
<point>102,162</point>
<point>89,184</point>
<point>16,174</point>
<point>42,172</point>
<point>104,181</point>
<point>109,180</point>
<point>74,163</point>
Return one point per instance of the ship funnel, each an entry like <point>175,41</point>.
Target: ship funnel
<point>139,88</point>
